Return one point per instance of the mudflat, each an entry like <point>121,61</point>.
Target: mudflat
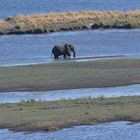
<point>68,75</point>
<point>51,116</point>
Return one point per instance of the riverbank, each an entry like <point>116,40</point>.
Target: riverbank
<point>70,75</point>
<point>70,21</point>
<point>51,116</point>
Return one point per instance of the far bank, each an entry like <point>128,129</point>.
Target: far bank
<point>70,21</point>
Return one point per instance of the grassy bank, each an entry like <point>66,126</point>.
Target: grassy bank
<point>42,77</point>
<point>54,115</point>
<point>54,22</point>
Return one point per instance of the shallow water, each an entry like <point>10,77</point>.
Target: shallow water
<point>11,97</point>
<point>26,7</point>
<point>115,131</point>
<point>28,49</point>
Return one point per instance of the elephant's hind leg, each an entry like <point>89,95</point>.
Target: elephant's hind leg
<point>56,57</point>
<point>64,56</point>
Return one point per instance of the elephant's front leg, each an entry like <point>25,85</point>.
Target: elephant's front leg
<point>64,56</point>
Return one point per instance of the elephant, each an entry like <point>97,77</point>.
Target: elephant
<point>64,50</point>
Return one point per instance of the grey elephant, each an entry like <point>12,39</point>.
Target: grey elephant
<point>64,50</point>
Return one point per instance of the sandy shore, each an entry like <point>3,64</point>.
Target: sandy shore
<point>51,116</point>
<point>54,76</point>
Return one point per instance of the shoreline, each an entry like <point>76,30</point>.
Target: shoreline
<point>71,75</point>
<point>78,59</point>
<point>70,21</point>
<point>61,89</point>
<point>55,115</point>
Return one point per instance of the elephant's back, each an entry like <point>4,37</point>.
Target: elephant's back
<point>57,49</point>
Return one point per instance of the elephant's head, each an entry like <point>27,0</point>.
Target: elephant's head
<point>70,48</point>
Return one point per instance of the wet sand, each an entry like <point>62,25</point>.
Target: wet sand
<point>72,75</point>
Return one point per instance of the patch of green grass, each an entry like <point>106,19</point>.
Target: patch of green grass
<point>101,73</point>
<point>54,115</point>
<point>10,18</point>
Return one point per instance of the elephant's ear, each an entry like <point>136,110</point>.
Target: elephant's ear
<point>67,49</point>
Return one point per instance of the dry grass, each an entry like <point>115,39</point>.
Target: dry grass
<point>74,16</point>
<point>2,22</point>
<point>75,20</point>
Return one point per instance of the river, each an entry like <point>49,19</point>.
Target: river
<point>27,7</point>
<point>29,49</point>
<point>113,131</point>
<point>12,97</point>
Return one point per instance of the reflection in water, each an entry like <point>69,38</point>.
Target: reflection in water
<point>25,49</point>
<point>10,97</point>
<point>107,131</point>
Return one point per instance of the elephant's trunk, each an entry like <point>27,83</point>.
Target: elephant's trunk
<point>74,54</point>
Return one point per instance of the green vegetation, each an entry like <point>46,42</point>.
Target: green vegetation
<point>53,22</point>
<point>10,18</point>
<point>54,115</point>
<point>53,76</point>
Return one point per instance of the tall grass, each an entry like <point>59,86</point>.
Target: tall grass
<point>78,19</point>
<point>75,16</point>
<point>2,22</point>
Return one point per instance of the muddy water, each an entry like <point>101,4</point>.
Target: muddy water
<point>29,49</point>
<point>11,97</point>
<point>115,131</point>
